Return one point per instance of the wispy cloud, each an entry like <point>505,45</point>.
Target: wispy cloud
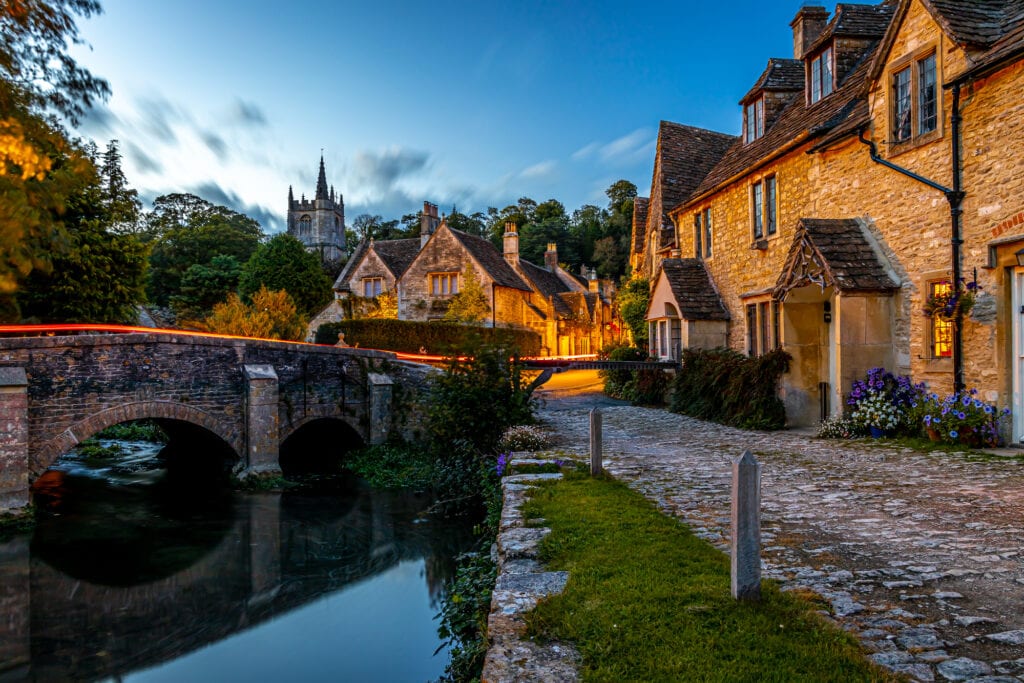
<point>544,168</point>
<point>631,148</point>
<point>586,151</point>
<point>249,114</point>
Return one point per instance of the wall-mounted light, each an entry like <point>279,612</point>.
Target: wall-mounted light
<point>828,311</point>
<point>1020,257</point>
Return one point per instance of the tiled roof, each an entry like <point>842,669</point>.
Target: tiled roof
<point>341,282</point>
<point>1009,45</point>
<point>694,294</point>
<point>976,22</point>
<point>781,75</point>
<point>494,263</point>
<point>639,223</point>
<point>579,301</point>
<point>397,255</point>
<point>833,252</point>
<point>856,21</point>
<point>684,156</point>
<point>545,282</point>
<point>797,122</point>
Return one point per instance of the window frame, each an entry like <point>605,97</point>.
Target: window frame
<point>764,207</point>
<point>708,234</point>
<point>821,75</point>
<point>753,120</point>
<point>443,283</point>
<point>915,99</point>
<point>762,318</point>
<point>940,331</point>
<point>698,235</point>
<point>376,282</point>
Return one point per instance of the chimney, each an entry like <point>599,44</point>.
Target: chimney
<point>592,282</point>
<point>551,257</point>
<point>807,27</point>
<point>675,253</point>
<point>428,222</point>
<point>511,241</point>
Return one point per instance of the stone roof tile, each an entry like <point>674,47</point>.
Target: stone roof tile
<point>691,286</point>
<point>397,255</point>
<point>488,257</point>
<point>639,223</point>
<point>781,75</point>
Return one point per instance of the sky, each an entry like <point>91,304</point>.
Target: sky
<point>464,104</point>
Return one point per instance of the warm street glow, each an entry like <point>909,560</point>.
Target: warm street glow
<point>56,329</point>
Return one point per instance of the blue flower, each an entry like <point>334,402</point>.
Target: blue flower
<point>928,420</point>
<point>966,400</point>
<point>953,434</point>
<point>988,410</point>
<point>961,415</point>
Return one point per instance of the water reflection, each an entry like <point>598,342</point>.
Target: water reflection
<point>127,572</point>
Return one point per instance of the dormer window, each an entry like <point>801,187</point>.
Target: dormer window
<point>822,75</point>
<point>753,120</point>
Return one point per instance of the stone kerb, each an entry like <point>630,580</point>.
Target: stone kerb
<point>521,583</point>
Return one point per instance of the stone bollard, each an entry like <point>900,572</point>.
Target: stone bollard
<point>746,528</point>
<point>596,466</point>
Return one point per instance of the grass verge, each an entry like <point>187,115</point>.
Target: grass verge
<point>649,601</point>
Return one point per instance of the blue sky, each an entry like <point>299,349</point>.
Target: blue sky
<point>472,104</point>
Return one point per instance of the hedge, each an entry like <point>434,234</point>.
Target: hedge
<point>728,387</point>
<point>435,337</point>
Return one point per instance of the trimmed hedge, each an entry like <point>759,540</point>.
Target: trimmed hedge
<point>728,387</point>
<point>436,337</point>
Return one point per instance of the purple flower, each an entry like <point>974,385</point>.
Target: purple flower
<point>502,464</point>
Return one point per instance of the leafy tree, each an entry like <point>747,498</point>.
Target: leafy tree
<point>632,300</point>
<point>189,230</point>
<point>374,227</point>
<point>608,258</point>
<point>475,224</point>
<point>204,286</point>
<point>470,304</point>
<point>96,275</point>
<point>284,263</point>
<point>270,315</point>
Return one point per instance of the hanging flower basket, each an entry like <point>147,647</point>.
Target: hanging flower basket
<point>949,302</point>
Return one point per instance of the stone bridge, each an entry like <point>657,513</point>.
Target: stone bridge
<point>251,395</point>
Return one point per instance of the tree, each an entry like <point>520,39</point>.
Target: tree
<point>96,275</point>
<point>470,304</point>
<point>270,315</point>
<point>121,202</point>
<point>632,301</point>
<point>284,263</point>
<point>608,257</point>
<point>188,230</point>
<point>204,286</point>
<point>475,224</point>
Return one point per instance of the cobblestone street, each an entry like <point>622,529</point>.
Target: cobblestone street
<point>920,555</point>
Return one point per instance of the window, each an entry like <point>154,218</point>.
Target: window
<point>942,329</point>
<point>822,81</point>
<point>914,99</point>
<point>698,236</point>
<point>707,232</point>
<point>753,117</point>
<point>443,284</point>
<point>762,327</point>
<point>764,214</point>
<point>305,225</point>
<point>372,286</point>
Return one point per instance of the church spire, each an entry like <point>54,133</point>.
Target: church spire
<point>321,181</point>
<point>291,197</point>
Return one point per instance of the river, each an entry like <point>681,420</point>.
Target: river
<point>133,575</point>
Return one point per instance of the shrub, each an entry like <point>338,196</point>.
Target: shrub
<point>647,387</point>
<point>868,397</point>
<point>878,412</point>
<point>523,438</point>
<point>410,336</point>
<point>839,428</point>
<point>724,386</point>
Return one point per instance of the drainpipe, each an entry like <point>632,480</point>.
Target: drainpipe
<point>955,197</point>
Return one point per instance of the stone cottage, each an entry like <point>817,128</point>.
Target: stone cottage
<point>876,167</point>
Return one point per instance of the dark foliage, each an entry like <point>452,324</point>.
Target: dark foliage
<point>728,387</point>
<point>642,387</point>
<point>435,337</point>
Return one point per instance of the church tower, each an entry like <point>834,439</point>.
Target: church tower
<point>319,223</point>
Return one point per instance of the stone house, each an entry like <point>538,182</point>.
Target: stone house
<point>425,273</point>
<point>815,238</point>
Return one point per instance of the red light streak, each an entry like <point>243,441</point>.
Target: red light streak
<point>54,329</point>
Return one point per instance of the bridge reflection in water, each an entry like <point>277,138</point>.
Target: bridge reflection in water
<point>119,578</point>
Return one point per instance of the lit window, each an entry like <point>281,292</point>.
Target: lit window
<point>942,328</point>
<point>822,81</point>
<point>753,120</point>
<point>443,284</point>
<point>372,286</point>
<point>764,210</point>
<point>915,99</point>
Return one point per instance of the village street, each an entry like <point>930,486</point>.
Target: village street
<point>921,556</point>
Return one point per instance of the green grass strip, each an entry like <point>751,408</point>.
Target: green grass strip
<point>649,601</point>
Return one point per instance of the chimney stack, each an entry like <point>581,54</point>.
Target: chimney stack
<point>511,244</point>
<point>551,257</point>
<point>675,253</point>
<point>807,27</point>
<point>593,284</point>
<point>428,222</point>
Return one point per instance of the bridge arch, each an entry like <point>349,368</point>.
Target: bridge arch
<point>317,443</point>
<point>161,411</point>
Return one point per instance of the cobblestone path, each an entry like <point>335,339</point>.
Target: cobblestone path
<point>920,555</point>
